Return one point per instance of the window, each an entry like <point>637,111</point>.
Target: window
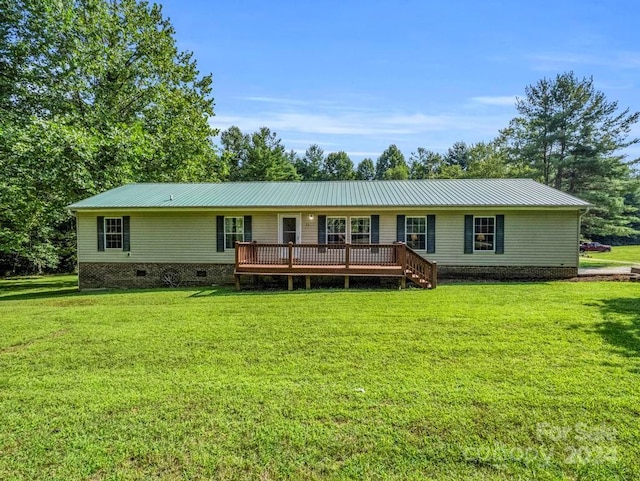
<point>360,230</point>
<point>484,233</point>
<point>233,231</point>
<point>113,232</point>
<point>416,232</point>
<point>336,230</point>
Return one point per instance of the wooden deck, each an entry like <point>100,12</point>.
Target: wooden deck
<point>347,260</point>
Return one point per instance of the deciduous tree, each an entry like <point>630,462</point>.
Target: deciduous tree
<point>93,94</point>
<point>338,166</point>
<point>366,170</point>
<point>391,158</point>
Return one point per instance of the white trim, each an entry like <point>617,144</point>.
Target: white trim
<point>426,227</point>
<point>298,218</point>
<point>234,233</point>
<point>347,230</point>
<point>485,251</point>
<point>357,233</point>
<point>105,233</point>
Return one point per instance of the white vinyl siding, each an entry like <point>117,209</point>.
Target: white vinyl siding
<point>185,237</point>
<point>190,237</point>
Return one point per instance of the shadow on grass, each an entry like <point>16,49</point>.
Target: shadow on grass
<point>22,284</point>
<point>622,327</point>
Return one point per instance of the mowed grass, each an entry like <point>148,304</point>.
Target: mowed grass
<point>619,256</point>
<point>468,381</point>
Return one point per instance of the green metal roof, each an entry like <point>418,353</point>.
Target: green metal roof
<point>388,193</point>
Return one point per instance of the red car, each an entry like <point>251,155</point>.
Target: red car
<point>594,247</point>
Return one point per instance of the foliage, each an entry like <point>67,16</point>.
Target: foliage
<point>425,164</point>
<point>257,156</point>
<point>366,170</point>
<point>338,166</point>
<point>96,94</point>
<point>391,159</point>
<point>458,155</point>
<point>490,160</point>
<point>570,136</point>
<point>487,383</point>
<point>310,166</point>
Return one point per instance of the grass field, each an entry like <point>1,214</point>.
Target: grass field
<point>619,256</point>
<point>468,381</point>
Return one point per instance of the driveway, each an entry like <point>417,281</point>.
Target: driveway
<point>604,271</point>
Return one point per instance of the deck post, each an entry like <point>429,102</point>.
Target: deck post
<point>347,255</point>
<point>346,282</point>
<point>403,282</point>
<point>237,279</point>
<point>307,282</point>
<point>290,256</point>
<point>402,258</point>
<point>237,246</point>
<point>290,283</point>
<point>434,275</point>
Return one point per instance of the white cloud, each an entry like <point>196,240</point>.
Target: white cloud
<point>355,153</point>
<point>275,100</point>
<point>623,59</point>
<point>509,100</point>
<point>357,123</point>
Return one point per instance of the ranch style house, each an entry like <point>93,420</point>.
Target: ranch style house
<point>144,235</point>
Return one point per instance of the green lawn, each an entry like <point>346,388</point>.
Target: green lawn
<point>619,256</point>
<point>468,381</point>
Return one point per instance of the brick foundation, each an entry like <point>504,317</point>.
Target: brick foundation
<point>97,275</point>
<point>114,275</point>
<point>506,272</point>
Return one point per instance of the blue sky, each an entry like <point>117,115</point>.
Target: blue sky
<point>361,75</point>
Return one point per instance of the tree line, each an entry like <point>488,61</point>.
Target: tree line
<point>96,93</point>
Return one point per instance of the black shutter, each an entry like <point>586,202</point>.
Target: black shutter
<point>431,234</point>
<point>322,231</point>
<point>375,229</point>
<point>375,232</point>
<point>400,228</point>
<point>248,234</point>
<point>220,233</point>
<point>100,233</point>
<point>468,234</point>
<point>126,233</point>
<point>500,234</point>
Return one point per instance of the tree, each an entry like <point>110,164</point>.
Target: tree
<point>310,166</point>
<point>425,164</point>
<point>338,166</point>
<point>399,172</point>
<point>266,158</point>
<point>490,160</point>
<point>458,155</point>
<point>391,158</point>
<point>235,145</point>
<point>366,170</point>
<point>570,136</point>
<point>101,88</point>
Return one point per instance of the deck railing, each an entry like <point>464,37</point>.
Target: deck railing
<point>292,258</point>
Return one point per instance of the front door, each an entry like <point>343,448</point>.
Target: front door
<point>289,229</point>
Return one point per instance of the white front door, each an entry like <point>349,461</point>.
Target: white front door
<point>289,228</point>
